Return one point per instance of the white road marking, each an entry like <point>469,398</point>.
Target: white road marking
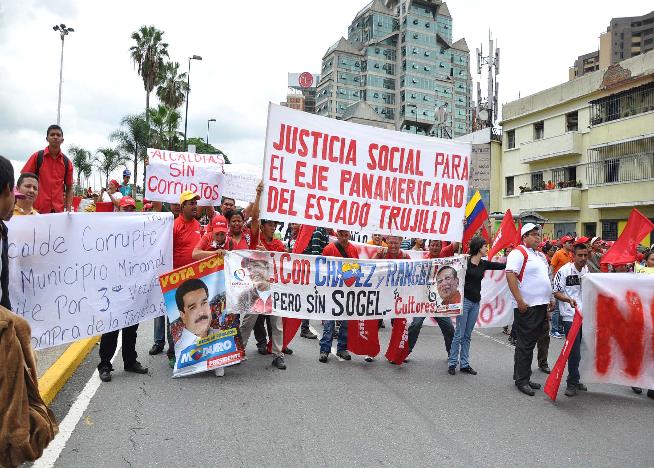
<point>67,426</point>
<point>492,338</point>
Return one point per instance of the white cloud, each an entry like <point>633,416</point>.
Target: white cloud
<point>247,50</point>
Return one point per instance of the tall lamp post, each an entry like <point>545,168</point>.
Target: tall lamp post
<point>63,31</point>
<point>188,90</point>
<point>208,121</point>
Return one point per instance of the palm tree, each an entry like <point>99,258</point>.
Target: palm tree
<point>148,55</point>
<point>165,121</point>
<point>172,87</point>
<point>108,160</point>
<point>82,162</point>
<point>132,138</point>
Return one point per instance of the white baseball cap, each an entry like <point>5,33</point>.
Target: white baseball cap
<point>528,227</point>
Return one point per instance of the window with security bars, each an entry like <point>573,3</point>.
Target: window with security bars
<point>624,104</point>
<point>609,230</point>
<point>621,162</point>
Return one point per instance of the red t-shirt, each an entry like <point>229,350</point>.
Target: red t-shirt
<point>186,235</point>
<point>51,181</point>
<point>206,243</point>
<point>332,251</point>
<point>274,246</point>
<point>387,256</point>
<point>447,251</point>
<point>243,244</point>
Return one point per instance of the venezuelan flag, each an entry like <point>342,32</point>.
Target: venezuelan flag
<point>476,214</point>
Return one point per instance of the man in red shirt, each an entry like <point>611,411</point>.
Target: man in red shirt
<point>55,173</point>
<point>213,241</point>
<point>341,248</point>
<point>186,235</point>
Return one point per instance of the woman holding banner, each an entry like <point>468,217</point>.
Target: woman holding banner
<point>465,322</point>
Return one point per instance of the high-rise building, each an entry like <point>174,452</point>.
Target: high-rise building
<point>302,91</point>
<point>624,38</point>
<point>400,59</point>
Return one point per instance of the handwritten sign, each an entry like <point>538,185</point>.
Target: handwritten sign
<point>79,275</point>
<point>241,186</point>
<point>342,175</point>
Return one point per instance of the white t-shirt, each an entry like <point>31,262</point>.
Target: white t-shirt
<point>535,286</point>
<point>117,196</point>
<point>568,282</point>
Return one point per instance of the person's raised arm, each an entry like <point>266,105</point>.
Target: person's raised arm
<point>255,224</point>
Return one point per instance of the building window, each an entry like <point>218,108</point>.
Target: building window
<point>611,170</point>
<point>539,130</point>
<point>590,230</point>
<point>572,122</point>
<point>537,181</point>
<point>624,104</point>
<point>610,230</point>
<point>510,139</point>
<point>509,186</point>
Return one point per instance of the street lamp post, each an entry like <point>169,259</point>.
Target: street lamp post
<point>208,121</point>
<point>188,90</point>
<point>63,31</point>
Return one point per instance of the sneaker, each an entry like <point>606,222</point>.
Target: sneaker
<point>451,370</point>
<point>279,363</point>
<point>105,375</point>
<point>136,368</point>
<point>156,349</point>
<point>219,372</point>
<point>650,393</point>
<point>534,385</point>
<point>263,350</point>
<point>582,387</point>
<point>637,390</point>
<point>370,359</point>
<point>545,369</point>
<point>287,350</point>
<point>323,357</point>
<point>571,390</point>
<point>308,335</point>
<point>344,355</point>
<point>468,370</point>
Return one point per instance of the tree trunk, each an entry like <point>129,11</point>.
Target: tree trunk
<point>147,141</point>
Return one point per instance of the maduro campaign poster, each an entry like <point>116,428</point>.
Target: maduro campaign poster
<point>205,336</point>
<point>77,275</point>
<point>331,288</point>
<point>341,175</point>
<point>617,343</point>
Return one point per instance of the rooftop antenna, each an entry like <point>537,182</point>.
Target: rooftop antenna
<point>488,107</point>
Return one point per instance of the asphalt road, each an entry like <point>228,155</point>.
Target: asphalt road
<point>351,413</point>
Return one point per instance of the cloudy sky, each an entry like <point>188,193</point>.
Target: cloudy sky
<point>247,50</point>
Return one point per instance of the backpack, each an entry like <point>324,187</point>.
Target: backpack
<point>39,162</point>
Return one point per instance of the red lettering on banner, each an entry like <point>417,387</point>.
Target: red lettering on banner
<point>281,201</point>
<point>394,159</point>
<point>449,166</point>
<point>333,148</point>
<point>276,169</point>
<point>303,151</point>
<point>318,178</point>
<point>627,332</point>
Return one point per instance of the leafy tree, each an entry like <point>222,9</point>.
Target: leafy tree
<point>108,160</point>
<point>165,122</point>
<point>148,56</point>
<point>203,148</point>
<point>132,138</point>
<point>172,86</point>
<point>82,162</point>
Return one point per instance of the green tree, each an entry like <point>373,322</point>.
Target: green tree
<point>172,86</point>
<point>108,160</point>
<point>164,127</point>
<point>82,162</point>
<point>132,138</point>
<point>148,55</point>
<point>202,147</point>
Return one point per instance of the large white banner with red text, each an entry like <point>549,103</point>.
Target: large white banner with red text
<point>618,329</point>
<point>342,175</point>
<point>332,288</point>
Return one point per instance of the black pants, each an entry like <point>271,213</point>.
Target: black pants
<point>445,324</point>
<point>109,342</point>
<point>529,328</point>
<point>305,326</point>
<point>543,344</point>
<point>263,322</point>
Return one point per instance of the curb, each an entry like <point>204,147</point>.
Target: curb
<point>59,373</point>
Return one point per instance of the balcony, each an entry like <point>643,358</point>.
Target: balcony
<point>551,200</point>
<point>567,144</point>
<point>556,189</point>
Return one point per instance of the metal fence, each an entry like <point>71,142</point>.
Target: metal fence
<point>620,105</point>
<point>622,162</point>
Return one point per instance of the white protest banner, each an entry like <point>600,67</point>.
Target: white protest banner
<point>76,275</point>
<point>618,329</point>
<point>332,288</point>
<point>241,186</point>
<point>170,173</point>
<point>341,175</point>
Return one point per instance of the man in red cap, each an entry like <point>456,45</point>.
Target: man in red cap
<point>127,204</point>
<point>111,194</point>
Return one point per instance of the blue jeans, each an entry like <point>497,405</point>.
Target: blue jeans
<point>327,332</point>
<point>461,341</point>
<point>575,356</point>
<point>445,324</point>
<point>557,326</point>
<point>160,332</point>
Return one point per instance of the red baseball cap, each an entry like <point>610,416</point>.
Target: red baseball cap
<point>219,224</point>
<point>582,240</point>
<point>565,239</point>
<point>114,182</point>
<point>127,201</point>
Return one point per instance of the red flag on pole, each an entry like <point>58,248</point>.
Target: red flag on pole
<point>624,249</point>
<point>291,326</point>
<point>363,337</point>
<point>484,234</point>
<point>518,237</point>
<point>303,238</point>
<point>553,381</point>
<point>505,235</point>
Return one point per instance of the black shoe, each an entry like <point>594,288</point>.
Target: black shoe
<point>571,390</point>
<point>545,369</point>
<point>650,393</point>
<point>156,349</point>
<point>344,355</point>
<point>637,390</point>
<point>534,385</point>
<point>105,375</point>
<point>526,390</point>
<point>451,370</point>
<point>323,357</point>
<point>279,363</point>
<point>263,350</point>
<point>137,368</point>
<point>581,387</point>
<point>468,370</point>
<point>308,335</point>
<point>287,350</point>
<point>381,324</point>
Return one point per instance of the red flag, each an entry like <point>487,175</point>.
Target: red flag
<point>398,347</point>
<point>363,337</point>
<point>624,249</point>
<point>291,327</point>
<point>553,382</point>
<point>303,238</point>
<point>484,234</point>
<point>518,237</point>
<point>505,235</point>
